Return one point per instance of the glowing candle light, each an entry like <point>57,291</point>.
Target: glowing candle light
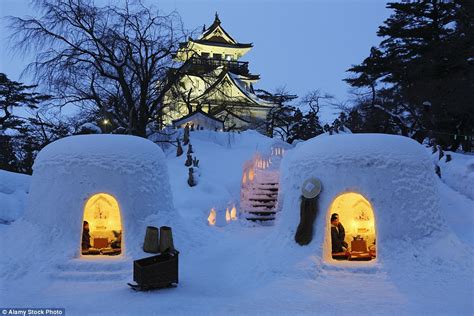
<point>233,213</point>
<point>212,217</point>
<point>227,215</point>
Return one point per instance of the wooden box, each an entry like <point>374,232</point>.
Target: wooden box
<point>157,271</point>
<point>359,245</point>
<point>100,243</point>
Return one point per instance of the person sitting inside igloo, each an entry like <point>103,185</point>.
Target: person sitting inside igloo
<point>338,235</point>
<point>86,237</point>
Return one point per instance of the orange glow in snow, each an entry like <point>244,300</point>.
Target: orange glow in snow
<point>212,217</point>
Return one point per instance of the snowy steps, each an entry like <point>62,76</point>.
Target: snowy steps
<point>265,198</point>
<point>92,271</point>
<point>262,198</point>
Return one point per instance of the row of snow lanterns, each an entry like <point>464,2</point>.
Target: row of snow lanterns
<point>217,218</point>
<point>278,151</point>
<point>257,163</point>
<point>262,163</point>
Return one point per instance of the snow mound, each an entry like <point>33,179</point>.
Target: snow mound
<point>117,152</point>
<point>395,174</point>
<point>68,172</point>
<point>13,193</point>
<point>457,173</point>
<point>89,128</point>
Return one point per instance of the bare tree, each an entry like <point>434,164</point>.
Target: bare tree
<point>115,60</point>
<point>314,99</point>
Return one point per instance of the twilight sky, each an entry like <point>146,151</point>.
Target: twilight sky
<point>303,45</point>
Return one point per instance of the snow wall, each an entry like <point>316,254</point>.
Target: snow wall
<point>67,172</point>
<point>395,174</point>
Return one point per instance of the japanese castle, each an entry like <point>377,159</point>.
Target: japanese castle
<point>215,88</point>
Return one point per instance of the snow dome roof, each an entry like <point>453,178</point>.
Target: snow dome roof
<point>100,150</point>
<point>359,149</point>
<point>393,173</point>
<point>127,171</point>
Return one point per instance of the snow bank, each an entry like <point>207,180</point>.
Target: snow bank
<point>13,193</point>
<point>393,173</point>
<point>71,170</point>
<point>457,173</point>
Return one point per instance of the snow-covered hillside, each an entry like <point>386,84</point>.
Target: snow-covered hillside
<point>221,158</point>
<point>233,270</point>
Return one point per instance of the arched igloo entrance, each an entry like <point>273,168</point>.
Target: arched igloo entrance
<point>351,228</point>
<point>102,226</point>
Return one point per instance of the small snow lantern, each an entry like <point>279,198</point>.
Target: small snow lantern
<point>211,219</point>
<point>233,213</point>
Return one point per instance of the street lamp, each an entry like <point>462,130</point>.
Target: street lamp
<point>105,122</point>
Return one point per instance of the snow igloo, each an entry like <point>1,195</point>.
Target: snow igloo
<point>118,184</point>
<point>383,188</point>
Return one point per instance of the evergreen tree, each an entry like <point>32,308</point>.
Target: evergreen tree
<point>26,135</point>
<point>305,126</point>
<point>14,95</point>
<point>8,160</point>
<point>281,117</point>
<point>421,75</point>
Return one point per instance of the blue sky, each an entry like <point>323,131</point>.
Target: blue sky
<point>303,45</point>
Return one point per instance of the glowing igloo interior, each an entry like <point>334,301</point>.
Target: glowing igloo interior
<point>357,216</point>
<point>102,215</point>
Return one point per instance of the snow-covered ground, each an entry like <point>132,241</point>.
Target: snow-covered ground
<point>230,270</point>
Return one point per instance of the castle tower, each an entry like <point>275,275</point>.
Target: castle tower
<point>214,80</point>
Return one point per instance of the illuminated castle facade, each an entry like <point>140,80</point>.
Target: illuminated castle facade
<point>215,82</point>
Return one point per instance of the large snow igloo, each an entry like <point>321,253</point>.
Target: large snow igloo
<point>116,183</point>
<point>382,186</point>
